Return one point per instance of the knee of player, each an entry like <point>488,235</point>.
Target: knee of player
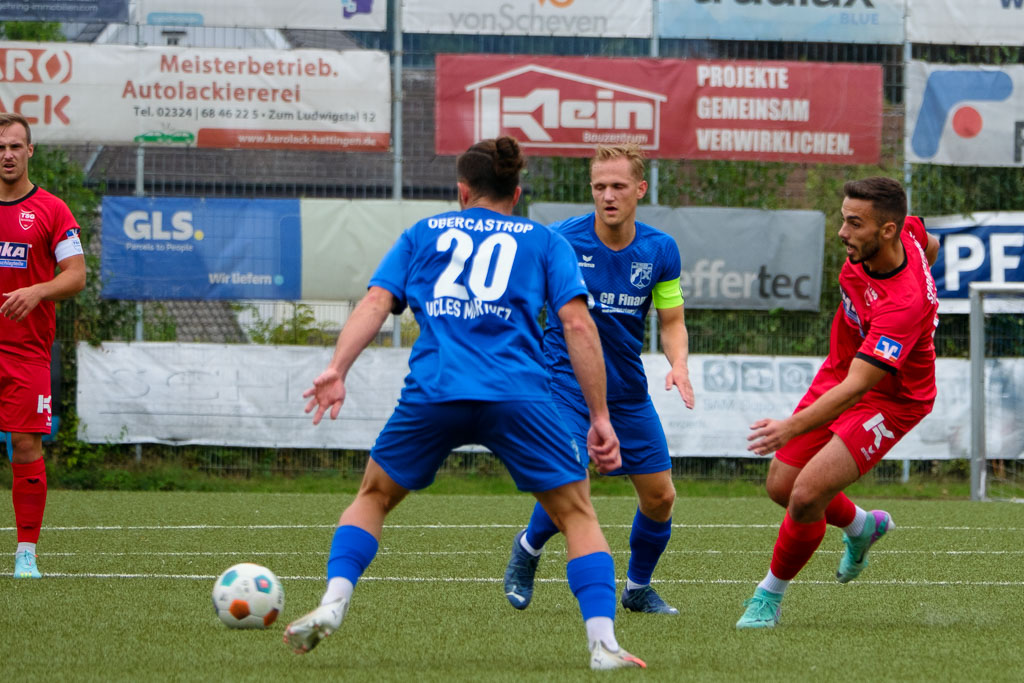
<point>805,505</point>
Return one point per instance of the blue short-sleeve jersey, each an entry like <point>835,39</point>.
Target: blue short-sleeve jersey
<point>620,285</point>
<point>476,280</point>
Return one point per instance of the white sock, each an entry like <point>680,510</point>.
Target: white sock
<point>603,629</point>
<point>29,547</point>
<point>529,548</point>
<point>337,588</point>
<point>773,584</point>
<point>632,585</point>
<point>857,525</point>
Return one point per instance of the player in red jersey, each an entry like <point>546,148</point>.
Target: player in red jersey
<point>38,234</point>
<point>876,384</point>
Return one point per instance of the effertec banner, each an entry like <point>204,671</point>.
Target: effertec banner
<point>965,22</point>
<point>195,248</point>
<point>338,15</point>
<point>965,115</point>
<point>838,21</point>
<point>575,18</point>
<point>260,99</point>
<point>734,259</point>
<point>251,395</point>
<point>986,247</point>
<point>757,111</point>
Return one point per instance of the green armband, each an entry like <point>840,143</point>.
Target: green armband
<point>667,294</point>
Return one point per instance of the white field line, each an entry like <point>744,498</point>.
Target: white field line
<point>399,527</point>
<point>450,579</point>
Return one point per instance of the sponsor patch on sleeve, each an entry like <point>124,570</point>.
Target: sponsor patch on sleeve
<point>888,349</point>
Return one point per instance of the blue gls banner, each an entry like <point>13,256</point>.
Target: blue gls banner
<point>115,11</point>
<point>195,248</point>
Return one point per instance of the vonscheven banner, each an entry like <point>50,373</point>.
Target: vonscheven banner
<point>196,248</point>
<point>262,99</point>
<point>734,258</point>
<point>336,15</point>
<point>832,21</point>
<point>962,115</point>
<point>965,22</point>
<point>65,10</point>
<point>251,395</point>
<point>691,109</point>
<point>585,18</point>
<point>983,247</point>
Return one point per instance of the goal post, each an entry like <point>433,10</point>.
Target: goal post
<point>985,298</point>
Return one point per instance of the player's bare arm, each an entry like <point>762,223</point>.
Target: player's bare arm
<point>584,345</point>
<point>328,390</point>
<point>931,250</point>
<point>770,435</point>
<point>676,343</point>
<point>67,283</point>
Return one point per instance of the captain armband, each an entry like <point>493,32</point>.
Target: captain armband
<point>667,294</point>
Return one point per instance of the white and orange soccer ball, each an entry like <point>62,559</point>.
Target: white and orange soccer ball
<point>248,595</point>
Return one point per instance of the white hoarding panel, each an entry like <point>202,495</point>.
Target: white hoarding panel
<point>578,19</point>
<point>339,15</point>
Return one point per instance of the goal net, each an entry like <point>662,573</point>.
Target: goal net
<point>997,391</point>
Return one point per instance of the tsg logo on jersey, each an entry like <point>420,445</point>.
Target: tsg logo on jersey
<point>946,89</point>
<point>640,274</point>
<point>888,349</point>
<point>13,255</point>
<point>26,219</point>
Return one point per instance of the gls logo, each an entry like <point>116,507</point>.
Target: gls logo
<point>943,91</point>
<point>143,225</point>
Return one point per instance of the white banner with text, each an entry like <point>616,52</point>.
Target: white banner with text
<point>587,19</point>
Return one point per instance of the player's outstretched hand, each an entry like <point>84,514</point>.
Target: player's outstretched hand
<point>768,436</point>
<point>603,446</point>
<point>328,391</point>
<point>680,378</point>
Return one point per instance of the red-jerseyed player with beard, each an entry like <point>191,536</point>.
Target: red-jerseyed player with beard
<point>876,384</point>
<point>38,234</point>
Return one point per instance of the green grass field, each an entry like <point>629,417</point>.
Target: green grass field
<point>129,576</point>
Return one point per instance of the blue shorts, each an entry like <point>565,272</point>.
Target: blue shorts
<point>636,423</point>
<point>529,437</point>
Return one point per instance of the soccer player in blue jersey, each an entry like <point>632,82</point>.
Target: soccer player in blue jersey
<point>627,265</point>
<point>477,280</point>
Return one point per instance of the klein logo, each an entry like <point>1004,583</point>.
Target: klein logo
<point>20,65</point>
<point>43,405</point>
<point>946,89</point>
<point>888,349</point>
<point>351,8</point>
<point>640,274</point>
<point>143,225</point>
<point>876,424</point>
<point>26,219</point>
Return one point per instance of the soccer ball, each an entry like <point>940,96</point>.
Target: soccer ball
<point>248,596</point>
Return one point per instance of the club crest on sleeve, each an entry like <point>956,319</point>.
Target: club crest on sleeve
<point>888,349</point>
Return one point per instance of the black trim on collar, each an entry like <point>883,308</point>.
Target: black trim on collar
<point>892,273</point>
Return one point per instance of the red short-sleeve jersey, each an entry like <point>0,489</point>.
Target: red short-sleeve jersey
<point>30,230</point>
<point>889,320</point>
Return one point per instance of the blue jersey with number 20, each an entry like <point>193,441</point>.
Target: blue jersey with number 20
<point>476,280</point>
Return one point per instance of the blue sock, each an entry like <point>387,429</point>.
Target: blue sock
<point>352,551</point>
<point>540,529</point>
<point>647,541</point>
<point>592,581</point>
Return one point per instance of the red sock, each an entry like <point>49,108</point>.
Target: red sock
<point>796,543</point>
<point>29,494</point>
<point>841,511</point>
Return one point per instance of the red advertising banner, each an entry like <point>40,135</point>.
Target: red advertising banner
<point>676,109</point>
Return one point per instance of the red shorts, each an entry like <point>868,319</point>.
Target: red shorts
<point>24,396</point>
<point>869,429</point>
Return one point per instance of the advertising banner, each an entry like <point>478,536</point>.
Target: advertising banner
<point>574,18</point>
<point>260,99</point>
<point>965,22</point>
<point>65,10</point>
<point>691,109</point>
<point>251,395</point>
<point>194,248</point>
<point>819,21</point>
<point>330,15</point>
<point>983,247</point>
<point>734,258</point>
<point>965,115</point>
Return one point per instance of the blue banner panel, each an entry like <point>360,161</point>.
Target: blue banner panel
<point>195,248</point>
<point>984,247</point>
<point>66,10</point>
